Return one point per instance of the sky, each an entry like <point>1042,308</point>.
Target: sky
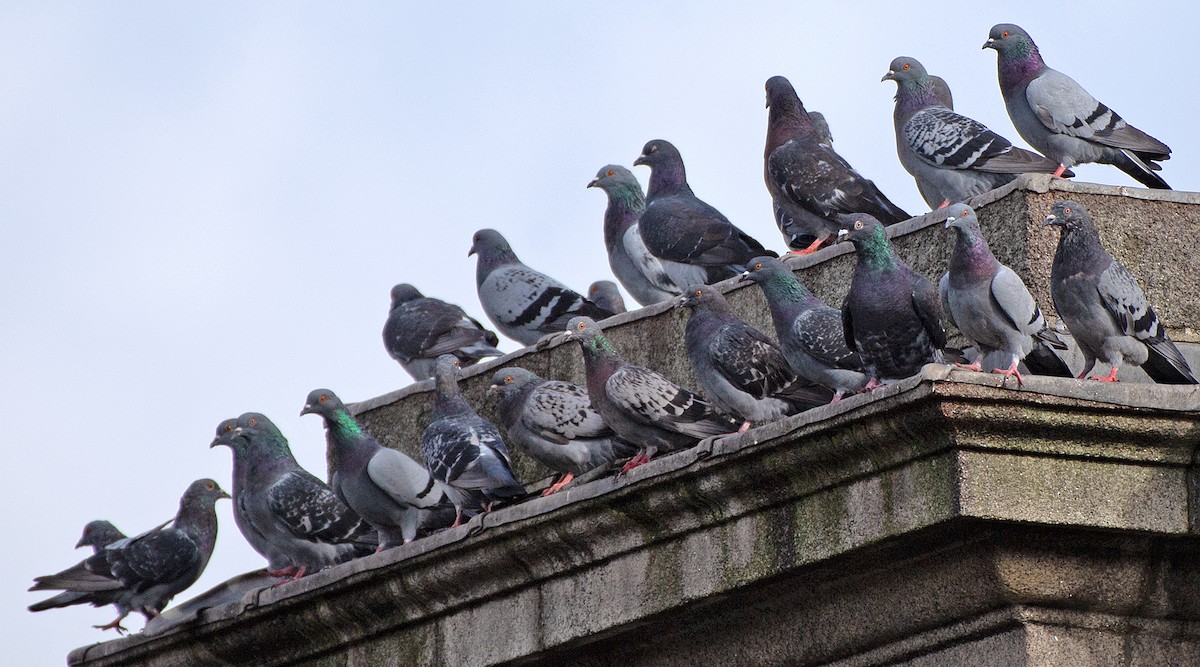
<point>205,205</point>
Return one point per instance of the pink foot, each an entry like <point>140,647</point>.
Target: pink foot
<point>115,625</point>
<point>1011,371</point>
<point>812,247</point>
<point>873,383</point>
<point>944,204</point>
<point>974,366</point>
<point>1111,377</point>
<point>285,572</point>
<point>743,428</point>
<point>557,486</point>
<point>457,519</point>
<point>634,462</point>
<point>1058,173</point>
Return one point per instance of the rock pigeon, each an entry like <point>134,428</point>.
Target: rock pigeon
<point>385,487</point>
<point>990,305</point>
<point>640,405</point>
<point>604,293</point>
<point>153,567</point>
<point>810,183</point>
<point>821,128</point>
<point>462,450</point>
<point>523,303</point>
<point>646,277</point>
<point>554,422</point>
<point>810,333</point>
<point>740,369</point>
<point>1062,120</point>
<point>98,535</point>
<point>679,227</point>
<point>891,315</point>
<point>951,157</point>
<point>419,329</point>
<point>1103,307</point>
<point>288,515</point>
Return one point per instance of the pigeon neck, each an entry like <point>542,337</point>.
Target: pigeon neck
<point>448,400</point>
<point>971,257</point>
<point>786,120</point>
<point>875,253</point>
<point>197,518</point>
<point>625,205</point>
<point>600,359</point>
<point>352,444</point>
<point>914,95</point>
<point>667,179</point>
<point>1079,251</point>
<point>492,259</point>
<point>787,296</point>
<point>1019,66</point>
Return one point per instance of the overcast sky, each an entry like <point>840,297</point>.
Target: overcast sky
<point>205,205</point>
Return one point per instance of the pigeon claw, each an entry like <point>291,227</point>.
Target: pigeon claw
<point>1058,173</point>
<point>115,625</point>
<point>557,486</point>
<point>873,383</point>
<point>1111,377</point>
<point>640,459</point>
<point>812,247</point>
<point>973,366</point>
<point>1011,371</point>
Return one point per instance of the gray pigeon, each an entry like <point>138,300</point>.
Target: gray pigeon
<point>678,227</point>
<point>821,128</point>
<point>462,450</point>
<point>738,368</point>
<point>891,315</point>
<point>98,535</point>
<point>385,487</point>
<point>646,277</point>
<point>640,405</point>
<point>523,303</point>
<point>153,567</point>
<point>604,293</point>
<point>990,305</point>
<point>810,183</point>
<point>810,333</point>
<point>1103,307</point>
<point>554,422</point>
<point>419,329</point>
<point>1062,120</point>
<point>951,157</point>
<point>288,515</point>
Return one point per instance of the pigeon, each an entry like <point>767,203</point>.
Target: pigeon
<point>740,369</point>
<point>891,315</point>
<point>419,329</point>
<point>951,157</point>
<point>810,183</point>
<point>604,293</point>
<point>385,487</point>
<point>646,277</point>
<point>679,227</point>
<point>151,568</point>
<point>288,515</point>
<point>810,332</point>
<point>990,305</point>
<point>98,535</point>
<point>555,423</point>
<point>1103,307</point>
<point>462,450</point>
<point>640,405</point>
<point>523,303</point>
<point>821,128</point>
<point>1062,120</point>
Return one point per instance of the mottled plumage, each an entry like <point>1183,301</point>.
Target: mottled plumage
<point>523,303</point>
<point>991,306</point>
<point>1103,306</point>
<point>740,369</point>
<point>810,333</point>
<point>810,183</point>
<point>604,293</point>
<point>419,329</point>
<point>385,487</point>
<point>554,422</point>
<point>640,405</point>
<point>891,314</point>
<point>1061,119</point>
<point>951,157</point>
<point>678,227</point>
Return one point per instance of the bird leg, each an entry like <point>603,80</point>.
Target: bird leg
<point>873,383</point>
<point>115,625</point>
<point>837,395</point>
<point>944,204</point>
<point>743,428</point>
<point>812,247</point>
<point>1058,173</point>
<point>639,459</point>
<point>973,366</point>
<point>1011,371</point>
<point>557,486</point>
<point>457,519</point>
<point>1111,377</point>
<point>285,572</point>
<point>299,573</point>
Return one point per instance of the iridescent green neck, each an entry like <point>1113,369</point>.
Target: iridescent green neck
<point>875,252</point>
<point>345,422</point>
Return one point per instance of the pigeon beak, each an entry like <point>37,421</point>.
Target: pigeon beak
<point>1050,220</point>
<point>219,440</point>
<point>842,234</point>
<point>949,220</point>
<point>81,542</point>
<point>308,408</point>
<point>222,494</point>
<point>890,76</point>
<point>990,44</point>
<point>593,183</point>
<point>641,160</point>
<point>471,251</point>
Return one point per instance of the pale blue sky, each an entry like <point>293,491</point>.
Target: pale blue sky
<point>205,206</point>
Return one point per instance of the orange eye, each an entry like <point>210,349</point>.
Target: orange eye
<point>322,398</point>
<point>905,67</point>
<point>254,422</point>
<point>609,172</point>
<point>1066,211</point>
<point>858,224</point>
<point>228,428</point>
<point>209,486</point>
<point>758,266</point>
<point>507,379</point>
<point>581,326</point>
<point>699,292</point>
<point>1004,35</point>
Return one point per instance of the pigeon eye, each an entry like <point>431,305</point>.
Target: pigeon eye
<point>858,224</point>
<point>609,172</point>
<point>758,266</point>
<point>904,67</point>
<point>581,326</point>
<point>1004,35</point>
<point>322,398</point>
<point>699,292</point>
<point>254,422</point>
<point>507,379</point>
<point>209,486</point>
<point>1066,211</point>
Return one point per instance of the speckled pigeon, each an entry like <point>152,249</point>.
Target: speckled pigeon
<point>678,227</point>
<point>740,369</point>
<point>462,450</point>
<point>604,293</point>
<point>1062,120</point>
<point>419,329</point>
<point>891,315</point>
<point>1103,307</point>
<point>523,303</point>
<point>990,305</point>
<point>385,487</point>
<point>288,515</point>
<point>640,405</point>
<point>810,332</point>
<point>951,157</point>
<point>554,422</point>
<point>98,535</point>
<point>810,183</point>
<point>646,277</point>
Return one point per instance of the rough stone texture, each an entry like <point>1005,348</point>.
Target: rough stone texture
<point>945,519</point>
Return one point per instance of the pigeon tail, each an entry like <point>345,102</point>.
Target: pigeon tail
<point>1042,360</point>
<point>1166,365</point>
<point>1142,172</point>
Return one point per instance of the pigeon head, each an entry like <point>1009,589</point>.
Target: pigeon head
<point>323,402</point>
<point>962,218</point>
<point>612,178</point>
<point>703,296</point>
<point>226,434</point>
<point>658,152</point>
<point>667,175</point>
<point>861,230</point>
<point>447,368</point>
<point>904,69</point>
<point>508,380</point>
<point>781,92</point>
<point>403,293</point>
<point>1010,40</point>
<point>764,269</point>
<point>489,243</point>
<point>1070,217</point>
<point>98,533</point>
<point>201,493</point>
<point>263,435</point>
